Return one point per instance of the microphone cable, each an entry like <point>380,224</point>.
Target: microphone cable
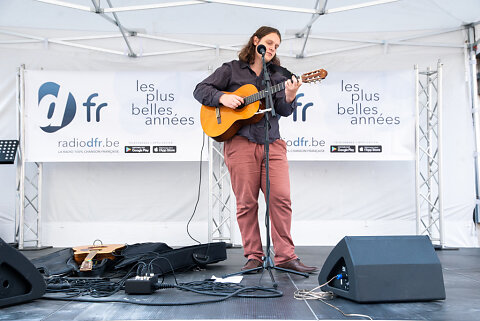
<point>199,188</point>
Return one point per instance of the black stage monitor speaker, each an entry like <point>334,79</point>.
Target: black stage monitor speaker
<point>384,269</point>
<point>19,279</point>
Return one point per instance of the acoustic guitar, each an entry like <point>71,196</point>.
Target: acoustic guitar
<point>221,123</point>
<point>84,255</point>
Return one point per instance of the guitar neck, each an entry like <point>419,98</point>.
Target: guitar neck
<point>87,263</point>
<point>262,94</point>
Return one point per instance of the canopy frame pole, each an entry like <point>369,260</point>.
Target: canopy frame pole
<point>471,62</point>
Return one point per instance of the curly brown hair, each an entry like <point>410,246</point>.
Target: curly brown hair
<point>247,54</point>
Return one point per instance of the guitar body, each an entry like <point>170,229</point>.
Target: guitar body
<point>231,120</point>
<point>221,123</point>
<point>83,255</point>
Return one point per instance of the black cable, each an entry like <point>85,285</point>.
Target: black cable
<point>150,257</point>
<point>210,287</point>
<point>207,287</point>
<point>236,293</point>
<point>92,287</point>
<point>150,265</point>
<point>198,194</point>
<point>73,287</point>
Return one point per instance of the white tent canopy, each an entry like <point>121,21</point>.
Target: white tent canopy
<point>86,201</point>
<point>138,26</point>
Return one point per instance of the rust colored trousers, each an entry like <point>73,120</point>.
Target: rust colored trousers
<point>246,163</point>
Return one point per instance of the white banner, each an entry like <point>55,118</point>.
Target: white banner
<point>354,116</point>
<point>152,116</point>
<point>112,116</point>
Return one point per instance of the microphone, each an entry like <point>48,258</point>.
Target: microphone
<point>261,49</point>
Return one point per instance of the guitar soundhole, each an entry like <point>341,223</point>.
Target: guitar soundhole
<point>240,107</point>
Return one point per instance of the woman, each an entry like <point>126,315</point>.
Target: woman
<point>244,152</point>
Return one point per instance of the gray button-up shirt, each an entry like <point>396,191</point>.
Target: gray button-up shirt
<point>234,74</point>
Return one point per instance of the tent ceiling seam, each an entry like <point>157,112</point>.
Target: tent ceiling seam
<point>67,41</point>
<point>67,4</point>
<point>224,2</point>
<point>370,43</point>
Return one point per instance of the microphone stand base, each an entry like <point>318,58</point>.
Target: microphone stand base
<point>269,266</point>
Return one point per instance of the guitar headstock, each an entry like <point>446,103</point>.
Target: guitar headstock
<point>86,266</point>
<point>314,76</point>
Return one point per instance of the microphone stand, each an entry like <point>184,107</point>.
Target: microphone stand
<point>267,260</point>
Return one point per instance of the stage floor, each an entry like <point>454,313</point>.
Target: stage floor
<point>461,271</point>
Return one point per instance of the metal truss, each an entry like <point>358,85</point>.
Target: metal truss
<point>28,216</point>
<point>221,201</point>
<point>29,183</point>
<point>429,200</point>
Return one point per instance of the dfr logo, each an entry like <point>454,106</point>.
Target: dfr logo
<point>57,117</point>
<point>304,109</point>
<point>58,108</point>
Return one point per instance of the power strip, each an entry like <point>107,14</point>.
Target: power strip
<point>141,284</point>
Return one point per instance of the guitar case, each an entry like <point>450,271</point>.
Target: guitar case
<point>161,257</point>
<point>165,260</point>
<point>62,263</point>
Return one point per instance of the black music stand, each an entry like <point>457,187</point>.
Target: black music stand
<point>267,260</point>
<point>8,151</point>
